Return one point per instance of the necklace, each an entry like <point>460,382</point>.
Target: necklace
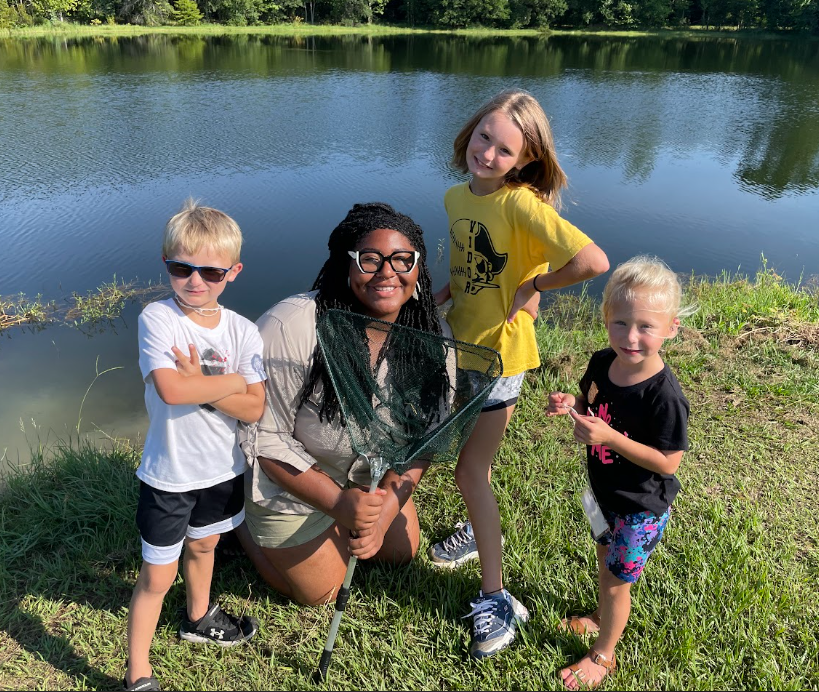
<point>205,312</point>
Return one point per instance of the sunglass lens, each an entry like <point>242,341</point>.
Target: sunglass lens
<point>212,274</point>
<point>179,270</point>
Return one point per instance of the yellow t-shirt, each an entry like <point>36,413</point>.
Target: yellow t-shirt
<point>496,242</point>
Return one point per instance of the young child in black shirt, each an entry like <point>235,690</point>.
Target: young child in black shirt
<point>633,417</point>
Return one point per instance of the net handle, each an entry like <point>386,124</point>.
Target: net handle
<point>378,467</point>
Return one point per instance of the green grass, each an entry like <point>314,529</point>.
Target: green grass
<point>728,601</point>
<point>90,313</point>
<point>288,29</point>
<point>20,310</point>
<point>71,30</point>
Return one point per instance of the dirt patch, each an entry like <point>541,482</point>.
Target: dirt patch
<point>805,335</point>
<point>688,341</point>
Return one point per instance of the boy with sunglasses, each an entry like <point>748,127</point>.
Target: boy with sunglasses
<point>202,366</point>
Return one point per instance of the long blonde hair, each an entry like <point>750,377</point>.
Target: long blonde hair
<point>543,175</point>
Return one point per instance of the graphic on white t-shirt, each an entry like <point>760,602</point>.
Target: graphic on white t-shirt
<point>212,363</point>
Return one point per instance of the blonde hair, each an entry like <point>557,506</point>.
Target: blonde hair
<point>195,227</point>
<point>543,175</point>
<point>649,278</point>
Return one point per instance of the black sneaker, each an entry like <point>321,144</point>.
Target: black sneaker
<point>219,627</point>
<point>141,685</point>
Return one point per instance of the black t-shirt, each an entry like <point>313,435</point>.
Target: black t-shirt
<point>654,413</point>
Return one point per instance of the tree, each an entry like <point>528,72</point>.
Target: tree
<point>539,14</point>
<point>653,13</point>
<point>186,13</point>
<point>618,13</point>
<point>8,16</point>
<point>49,9</point>
<point>806,15</point>
<point>582,12</point>
<point>463,13</point>
<point>147,12</point>
<point>375,8</point>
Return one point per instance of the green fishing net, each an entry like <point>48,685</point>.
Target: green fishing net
<point>405,394</point>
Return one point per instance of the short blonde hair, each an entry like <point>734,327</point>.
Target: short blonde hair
<point>649,278</point>
<point>543,175</point>
<point>195,227</point>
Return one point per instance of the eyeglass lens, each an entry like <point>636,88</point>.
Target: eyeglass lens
<point>401,262</point>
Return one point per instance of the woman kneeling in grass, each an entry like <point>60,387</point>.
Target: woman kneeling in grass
<point>306,511</point>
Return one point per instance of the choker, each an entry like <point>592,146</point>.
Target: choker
<point>205,312</point>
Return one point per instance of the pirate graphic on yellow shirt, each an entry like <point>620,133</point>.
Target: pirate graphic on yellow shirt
<point>483,262</point>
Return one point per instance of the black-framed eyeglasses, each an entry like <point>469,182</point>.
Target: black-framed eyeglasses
<point>183,270</point>
<point>371,261</point>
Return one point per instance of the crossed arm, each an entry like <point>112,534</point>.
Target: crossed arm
<point>229,393</point>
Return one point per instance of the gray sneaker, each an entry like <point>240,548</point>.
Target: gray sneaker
<point>460,547</point>
<point>495,620</point>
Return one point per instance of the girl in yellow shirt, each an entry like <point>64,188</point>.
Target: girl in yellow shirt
<point>507,245</point>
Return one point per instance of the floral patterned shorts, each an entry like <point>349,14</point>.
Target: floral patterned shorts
<point>631,541</point>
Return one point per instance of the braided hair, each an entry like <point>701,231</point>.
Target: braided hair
<point>334,290</point>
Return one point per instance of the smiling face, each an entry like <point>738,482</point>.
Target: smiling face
<point>194,290</point>
<point>495,148</point>
<point>383,294</point>
<point>637,331</point>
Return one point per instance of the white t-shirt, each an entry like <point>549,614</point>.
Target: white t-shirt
<point>192,446</point>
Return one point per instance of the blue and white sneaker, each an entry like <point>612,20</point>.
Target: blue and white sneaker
<point>495,619</point>
<point>460,547</point>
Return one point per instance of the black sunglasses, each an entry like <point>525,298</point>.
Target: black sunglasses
<point>182,270</point>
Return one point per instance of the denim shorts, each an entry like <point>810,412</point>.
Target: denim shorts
<point>631,540</point>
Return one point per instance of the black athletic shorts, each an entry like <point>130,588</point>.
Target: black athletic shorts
<point>166,518</point>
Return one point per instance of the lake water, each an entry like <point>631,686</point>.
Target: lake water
<point>704,152</point>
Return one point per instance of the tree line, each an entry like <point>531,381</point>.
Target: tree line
<point>772,15</point>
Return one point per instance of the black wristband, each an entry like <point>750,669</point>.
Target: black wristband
<point>534,283</point>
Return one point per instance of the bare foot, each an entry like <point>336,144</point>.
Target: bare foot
<point>582,624</point>
<point>583,674</point>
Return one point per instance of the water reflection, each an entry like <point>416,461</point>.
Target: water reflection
<point>155,103</point>
<point>691,149</point>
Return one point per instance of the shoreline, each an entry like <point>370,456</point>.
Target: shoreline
<point>71,30</point>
